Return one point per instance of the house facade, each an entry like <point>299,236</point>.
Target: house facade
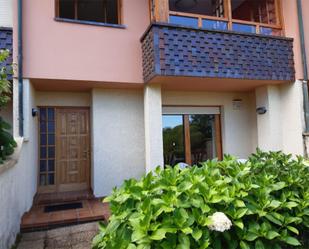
<point>108,90</point>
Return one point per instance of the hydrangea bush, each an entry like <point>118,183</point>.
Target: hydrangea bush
<point>262,203</point>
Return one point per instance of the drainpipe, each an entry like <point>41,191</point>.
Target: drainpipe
<point>20,68</point>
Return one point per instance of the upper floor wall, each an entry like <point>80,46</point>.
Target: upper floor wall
<point>305,5</point>
<point>69,50</point>
<point>55,49</point>
<point>6,13</point>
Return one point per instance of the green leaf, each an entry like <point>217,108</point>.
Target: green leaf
<point>197,234</point>
<point>275,204</point>
<point>241,212</point>
<point>291,204</point>
<point>239,224</point>
<point>244,245</point>
<point>259,245</point>
<point>137,235</point>
<point>279,185</point>
<point>239,203</point>
<point>184,242</point>
<point>293,229</point>
<point>187,230</point>
<point>132,246</point>
<point>158,234</point>
<point>112,226</point>
<point>291,241</point>
<point>273,220</point>
<point>185,185</point>
<point>250,236</point>
<point>272,234</point>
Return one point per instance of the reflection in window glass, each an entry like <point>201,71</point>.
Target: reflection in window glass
<point>202,138</point>
<point>185,21</point>
<point>270,31</point>
<point>205,7</point>
<point>105,11</point>
<point>173,139</point>
<point>214,25</point>
<point>47,145</point>
<point>262,11</point>
<point>244,28</point>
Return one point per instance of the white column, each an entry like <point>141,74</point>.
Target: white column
<point>153,126</point>
<point>269,126</point>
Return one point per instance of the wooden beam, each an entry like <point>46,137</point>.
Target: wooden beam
<point>218,136</point>
<point>161,10</point>
<point>187,139</point>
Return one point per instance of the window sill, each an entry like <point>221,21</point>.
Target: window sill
<point>13,159</point>
<point>109,25</point>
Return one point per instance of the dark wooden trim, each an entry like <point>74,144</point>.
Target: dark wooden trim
<point>218,133</point>
<point>108,25</point>
<point>76,20</point>
<point>187,139</point>
<point>162,13</point>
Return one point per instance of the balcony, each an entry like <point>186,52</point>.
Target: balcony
<point>171,51</point>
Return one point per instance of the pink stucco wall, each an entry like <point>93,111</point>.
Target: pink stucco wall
<point>305,5</point>
<point>290,19</point>
<point>58,50</point>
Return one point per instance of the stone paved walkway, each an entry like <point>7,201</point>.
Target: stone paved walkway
<point>71,237</point>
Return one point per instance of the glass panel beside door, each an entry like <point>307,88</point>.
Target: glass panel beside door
<point>191,138</point>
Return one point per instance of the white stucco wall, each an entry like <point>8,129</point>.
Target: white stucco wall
<point>281,127</point>
<point>238,125</point>
<point>63,99</point>
<point>18,183</point>
<point>118,140</point>
<point>6,13</point>
<point>153,127</point>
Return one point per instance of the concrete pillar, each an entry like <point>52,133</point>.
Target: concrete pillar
<point>269,127</point>
<point>153,126</point>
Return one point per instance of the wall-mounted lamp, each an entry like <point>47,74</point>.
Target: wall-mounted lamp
<point>35,112</point>
<point>261,110</point>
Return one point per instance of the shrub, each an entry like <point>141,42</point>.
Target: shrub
<point>266,198</point>
<point>7,142</point>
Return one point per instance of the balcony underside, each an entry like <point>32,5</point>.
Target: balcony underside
<point>210,84</point>
<point>181,55</point>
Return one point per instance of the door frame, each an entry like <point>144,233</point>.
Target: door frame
<point>54,188</point>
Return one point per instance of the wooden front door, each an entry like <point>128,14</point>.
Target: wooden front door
<point>72,149</point>
<point>64,153</point>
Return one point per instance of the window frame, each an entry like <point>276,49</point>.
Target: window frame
<point>186,129</point>
<point>76,20</point>
<point>162,13</point>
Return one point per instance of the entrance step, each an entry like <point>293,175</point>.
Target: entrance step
<point>52,198</point>
<point>37,219</point>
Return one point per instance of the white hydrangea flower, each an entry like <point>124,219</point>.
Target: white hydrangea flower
<point>219,222</point>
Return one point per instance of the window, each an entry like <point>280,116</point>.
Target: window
<point>262,11</point>
<point>188,13</point>
<point>251,16</point>
<point>47,146</point>
<point>191,138</point>
<point>103,11</point>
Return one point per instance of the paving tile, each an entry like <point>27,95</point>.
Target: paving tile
<point>37,244</point>
<point>82,246</point>
<point>34,236</point>
<point>59,242</point>
<point>59,232</point>
<point>78,238</point>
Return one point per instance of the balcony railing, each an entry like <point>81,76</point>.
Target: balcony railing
<point>174,50</point>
